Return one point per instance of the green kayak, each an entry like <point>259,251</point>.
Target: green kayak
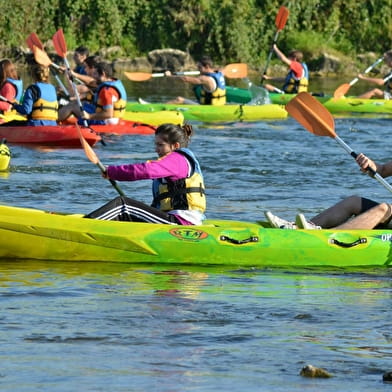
<point>216,114</point>
<point>335,106</point>
<point>35,234</point>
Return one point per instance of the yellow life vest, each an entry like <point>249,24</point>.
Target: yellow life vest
<point>184,194</point>
<point>45,106</point>
<point>293,85</point>
<point>218,96</point>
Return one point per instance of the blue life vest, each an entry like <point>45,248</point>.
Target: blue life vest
<point>18,84</point>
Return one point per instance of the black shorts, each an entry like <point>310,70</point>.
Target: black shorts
<point>367,204</point>
<point>130,210</point>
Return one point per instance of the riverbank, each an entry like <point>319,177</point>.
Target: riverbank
<point>324,65</point>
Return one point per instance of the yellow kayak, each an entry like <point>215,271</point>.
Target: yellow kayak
<point>155,118</point>
<point>5,156</point>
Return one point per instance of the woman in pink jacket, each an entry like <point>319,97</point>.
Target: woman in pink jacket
<point>178,185</point>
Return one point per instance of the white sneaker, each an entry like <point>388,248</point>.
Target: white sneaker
<point>303,223</point>
<point>142,101</point>
<point>279,223</point>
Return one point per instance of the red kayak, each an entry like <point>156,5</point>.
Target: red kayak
<point>66,135</point>
<point>57,136</point>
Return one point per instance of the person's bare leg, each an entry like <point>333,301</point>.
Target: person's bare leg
<point>178,100</point>
<point>338,213</point>
<point>374,93</point>
<point>369,219</point>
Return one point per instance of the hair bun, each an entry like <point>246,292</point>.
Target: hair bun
<point>188,130</point>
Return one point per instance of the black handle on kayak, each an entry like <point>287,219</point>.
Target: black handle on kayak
<point>348,244</point>
<point>239,242</point>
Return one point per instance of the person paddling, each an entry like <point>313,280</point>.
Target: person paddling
<point>109,102</point>
<point>178,185</point>
<point>353,212</point>
<point>386,82</point>
<point>297,79</point>
<point>40,99</point>
<point>209,86</point>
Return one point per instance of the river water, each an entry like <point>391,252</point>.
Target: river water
<point>109,327</point>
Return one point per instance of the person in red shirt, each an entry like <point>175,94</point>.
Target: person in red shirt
<point>109,101</point>
<point>297,79</point>
<point>11,87</point>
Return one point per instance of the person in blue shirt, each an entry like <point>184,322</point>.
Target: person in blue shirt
<point>79,57</point>
<point>39,102</point>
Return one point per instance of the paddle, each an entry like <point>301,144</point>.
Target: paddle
<point>144,76</point>
<point>92,156</point>
<point>343,88</point>
<point>315,118</point>
<point>61,49</point>
<point>280,22</point>
<point>231,71</point>
<point>33,40</point>
<point>6,100</point>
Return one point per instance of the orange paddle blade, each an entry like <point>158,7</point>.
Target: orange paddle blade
<point>59,43</point>
<point>91,155</point>
<point>312,115</point>
<point>236,70</point>
<point>138,76</point>
<point>281,18</point>
<point>41,57</point>
<point>32,40</point>
<point>341,90</point>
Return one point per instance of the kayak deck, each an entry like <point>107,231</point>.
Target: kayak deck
<point>155,118</point>
<point>343,105</point>
<point>35,234</point>
<point>216,114</point>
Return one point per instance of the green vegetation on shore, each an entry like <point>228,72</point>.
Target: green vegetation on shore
<point>229,31</point>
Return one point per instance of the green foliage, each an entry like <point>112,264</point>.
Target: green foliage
<point>229,31</point>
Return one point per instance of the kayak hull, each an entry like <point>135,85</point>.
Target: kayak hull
<point>35,234</point>
<point>217,114</point>
<point>53,136</point>
<point>335,106</point>
<point>344,104</point>
<point>155,118</point>
<point>66,135</point>
<point>124,127</point>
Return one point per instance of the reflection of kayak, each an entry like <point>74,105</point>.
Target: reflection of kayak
<point>5,156</point>
<point>341,105</point>
<point>210,113</point>
<point>34,234</point>
<point>155,117</point>
<point>67,135</point>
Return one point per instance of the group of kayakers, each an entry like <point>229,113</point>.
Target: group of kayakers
<point>210,87</point>
<point>103,97</point>
<point>183,199</point>
<point>178,185</point>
